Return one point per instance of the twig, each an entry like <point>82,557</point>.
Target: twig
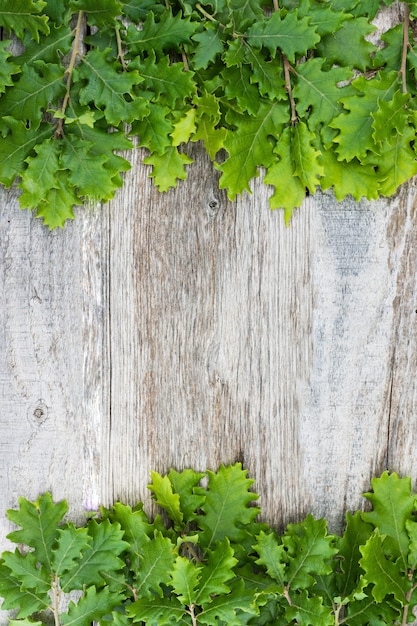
<point>287,68</point>
<point>406,45</point>
<point>74,53</point>
<point>120,54</point>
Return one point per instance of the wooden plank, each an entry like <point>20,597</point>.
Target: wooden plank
<point>53,354</point>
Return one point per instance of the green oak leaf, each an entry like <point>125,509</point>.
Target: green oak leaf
<point>289,190</point>
<point>317,91</point>
<point>22,16</point>
<point>229,608</point>
<point>353,178</point>
<point>267,74</point>
<point>38,85</point>
<point>235,53</point>
<point>397,162</point>
<point>71,543</point>
<point>57,43</point>
<point>155,129</point>
<point>165,33</point>
<point>309,551</point>
<point>355,138</point>
<point>322,16</point>
<point>185,577</point>
<point>136,527</point>
<point>40,175</point>
<point>411,528</point>
<point>14,597</point>
<point>356,533</point>
<point>206,119</point>
<point>87,171</point>
<point>393,504</point>
<point>306,159</point>
<point>57,206</point>
<point>167,82</point>
<point>238,86</point>
<point>99,559</point>
<point>390,55</point>
<point>249,147</point>
<point>218,569</point>
<point>38,521</point>
<point>25,567</point>
<point>292,35</point>
<point>7,67</point>
<point>159,611</point>
<point>209,46</point>
<point>156,561</point>
<point>162,492</point>
<point>100,13</point>
<point>309,611</point>
<point>368,612</point>
<point>184,128</point>
<point>225,510</point>
<point>90,607</point>
<point>348,46</point>
<point>271,556</point>
<point>184,484</point>
<point>391,117</point>
<point>386,576</point>
<point>168,167</point>
<point>109,88</point>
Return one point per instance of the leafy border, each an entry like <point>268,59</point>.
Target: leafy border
<point>292,86</point>
<point>209,561</point>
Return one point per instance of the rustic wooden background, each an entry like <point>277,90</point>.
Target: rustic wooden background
<point>183,330</point>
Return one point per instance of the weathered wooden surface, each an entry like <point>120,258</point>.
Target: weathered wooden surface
<point>183,330</point>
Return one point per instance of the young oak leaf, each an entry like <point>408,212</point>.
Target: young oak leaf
<point>26,569</point>
<point>397,162</point>
<point>22,16</point>
<point>267,75</point>
<point>218,569</point>
<point>167,82</point>
<point>14,597</point>
<point>155,129</point>
<point>168,167</point>
<point>238,87</point>
<point>348,46</point>
<point>355,138</point>
<point>390,118</point>
<point>231,609</point>
<point>309,551</point>
<point>292,35</point>
<point>164,495</point>
<point>100,13</point>
<point>99,559</point>
<point>156,561</point>
<point>249,146</point>
<point>184,128</point>
<point>7,67</point>
<point>39,177</point>
<point>57,206</point>
<point>165,33</point>
<point>209,45</point>
<point>393,503</point>
<point>136,527</point>
<point>271,556</point>
<point>184,484</point>
<point>386,576</point>
<point>206,118</point>
<point>317,91</point>
<point>38,85</point>
<point>353,178</point>
<point>289,190</point>
<point>308,611</point>
<point>306,159</point>
<point>161,611</point>
<point>91,607</point>
<point>71,542</point>
<point>87,171</point>
<point>109,88</point>
<point>225,510</point>
<point>185,577</point>
<point>356,534</point>
<point>57,43</point>
<point>39,522</point>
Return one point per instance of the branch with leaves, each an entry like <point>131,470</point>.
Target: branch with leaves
<point>294,87</point>
<point>212,563</point>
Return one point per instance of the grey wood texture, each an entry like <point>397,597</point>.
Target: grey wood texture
<point>182,330</point>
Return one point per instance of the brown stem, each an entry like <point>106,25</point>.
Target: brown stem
<point>192,615</point>
<point>74,53</point>
<point>55,601</point>
<point>406,45</point>
<point>287,68</point>
<point>120,54</point>
<point>404,620</point>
